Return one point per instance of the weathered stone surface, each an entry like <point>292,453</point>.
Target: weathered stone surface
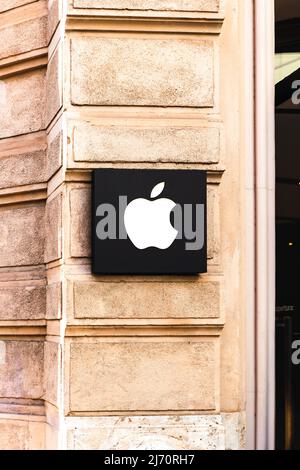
<point>23,37</point>
<point>54,155</point>
<point>53,248</point>
<point>213,223</point>
<point>52,437</point>
<point>22,103</point>
<point>54,16</point>
<point>235,430</point>
<point>142,72</point>
<point>22,302</point>
<point>184,5</point>
<point>9,4</point>
<point>146,432</point>
<point>25,168</point>
<point>22,236</point>
<point>22,434</point>
<point>80,203</point>
<point>147,299</point>
<point>95,143</point>
<point>22,160</point>
<point>51,371</point>
<point>53,87</point>
<point>206,432</point>
<point>21,369</point>
<point>143,375</point>
<point>53,305</point>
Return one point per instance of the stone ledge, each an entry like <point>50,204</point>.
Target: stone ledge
<point>23,331</point>
<point>7,5</point>
<point>20,63</point>
<point>23,194</point>
<point>23,273</point>
<point>22,407</point>
<point>26,12</point>
<point>202,25</point>
<point>23,29</point>
<point>214,175</point>
<point>144,330</point>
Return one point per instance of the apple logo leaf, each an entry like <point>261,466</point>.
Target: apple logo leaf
<point>157,190</point>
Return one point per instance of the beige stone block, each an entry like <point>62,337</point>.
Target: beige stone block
<point>22,434</point>
<point>54,298</point>
<point>22,161</point>
<point>136,300</point>
<point>21,369</point>
<point>146,433</point>
<point>22,103</point>
<point>213,223</point>
<point>53,250</point>
<point>132,375</point>
<point>80,204</point>
<point>52,438</point>
<point>23,37</point>
<point>142,72</point>
<point>98,143</point>
<point>54,155</point>
<point>51,371</point>
<point>22,236</point>
<point>53,87</point>
<point>26,168</point>
<point>177,5</point>
<point>54,16</point>
<point>235,430</point>
<point>9,4</point>
<point>22,302</point>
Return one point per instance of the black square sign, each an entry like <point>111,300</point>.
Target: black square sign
<point>149,222</point>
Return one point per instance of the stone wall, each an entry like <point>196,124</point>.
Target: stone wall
<point>23,192</point>
<point>128,361</point>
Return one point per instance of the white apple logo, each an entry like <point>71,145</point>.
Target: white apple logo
<point>148,222</point>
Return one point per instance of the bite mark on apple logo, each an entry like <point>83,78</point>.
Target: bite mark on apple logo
<point>147,222</point>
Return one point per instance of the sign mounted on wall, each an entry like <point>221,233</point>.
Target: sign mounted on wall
<point>149,221</point>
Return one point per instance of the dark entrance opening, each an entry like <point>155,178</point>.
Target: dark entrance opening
<point>287,115</point>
